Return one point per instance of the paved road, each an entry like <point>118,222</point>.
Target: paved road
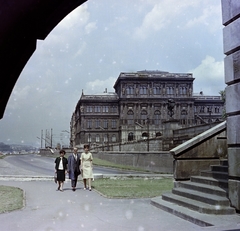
<point>45,165</point>
<point>49,210</point>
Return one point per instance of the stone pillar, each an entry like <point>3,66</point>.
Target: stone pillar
<point>169,126</point>
<point>231,41</point>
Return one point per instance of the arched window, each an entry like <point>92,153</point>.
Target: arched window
<point>89,138</point>
<point>156,91</point>
<point>184,112</point>
<point>130,136</point>
<point>143,90</point>
<point>130,90</point>
<point>130,115</point>
<point>114,138</point>
<point>145,135</point>
<point>157,117</point>
<point>144,116</point>
<point>105,138</point>
<point>97,138</point>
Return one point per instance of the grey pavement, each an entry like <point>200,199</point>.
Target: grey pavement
<point>48,209</point>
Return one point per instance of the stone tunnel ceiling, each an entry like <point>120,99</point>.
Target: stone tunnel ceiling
<point>22,23</point>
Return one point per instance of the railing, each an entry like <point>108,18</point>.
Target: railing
<point>200,152</point>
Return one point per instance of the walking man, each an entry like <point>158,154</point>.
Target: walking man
<point>74,168</point>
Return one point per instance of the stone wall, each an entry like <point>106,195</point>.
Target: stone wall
<point>231,42</point>
<point>159,162</point>
<point>154,144</point>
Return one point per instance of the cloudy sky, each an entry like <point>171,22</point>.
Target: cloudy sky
<point>92,45</point>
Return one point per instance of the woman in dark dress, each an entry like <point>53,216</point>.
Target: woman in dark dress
<point>61,169</point>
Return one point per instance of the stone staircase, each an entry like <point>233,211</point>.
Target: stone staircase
<point>198,199</point>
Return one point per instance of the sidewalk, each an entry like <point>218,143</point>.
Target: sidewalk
<point>48,209</point>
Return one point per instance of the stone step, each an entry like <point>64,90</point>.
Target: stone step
<point>201,219</point>
<point>210,181</point>
<point>224,162</point>
<point>198,206</point>
<point>211,189</point>
<point>219,168</point>
<point>201,197</point>
<point>215,174</point>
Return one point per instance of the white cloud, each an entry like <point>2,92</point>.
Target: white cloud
<point>160,16</point>
<point>209,76</point>
<point>90,27</point>
<point>209,18</point>
<point>164,12</point>
<point>98,86</point>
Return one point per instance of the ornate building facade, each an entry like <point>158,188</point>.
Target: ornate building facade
<point>139,107</point>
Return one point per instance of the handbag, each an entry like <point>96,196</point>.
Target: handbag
<point>55,177</point>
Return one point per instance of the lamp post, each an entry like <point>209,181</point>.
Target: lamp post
<point>42,140</point>
<point>148,134</point>
<point>210,114</point>
<point>102,137</point>
<point>68,133</point>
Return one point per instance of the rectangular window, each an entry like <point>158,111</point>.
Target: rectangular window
<point>97,108</point>
<point>105,108</point>
<point>114,109</point>
<point>89,124</point>
<point>97,123</point>
<point>114,124</point>
<point>105,124</point>
<point>89,109</point>
<point>202,109</point>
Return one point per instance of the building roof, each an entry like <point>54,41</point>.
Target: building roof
<point>146,74</point>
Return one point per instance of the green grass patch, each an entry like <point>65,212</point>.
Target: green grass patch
<point>132,188</point>
<point>11,198</point>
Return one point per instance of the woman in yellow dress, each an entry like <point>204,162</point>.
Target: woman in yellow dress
<point>86,167</point>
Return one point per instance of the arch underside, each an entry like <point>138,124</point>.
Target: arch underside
<point>22,23</point>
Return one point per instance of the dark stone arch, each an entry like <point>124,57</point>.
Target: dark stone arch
<point>22,23</point>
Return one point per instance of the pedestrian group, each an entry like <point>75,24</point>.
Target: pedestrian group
<point>74,166</point>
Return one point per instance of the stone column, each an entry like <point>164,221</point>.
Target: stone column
<point>231,40</point>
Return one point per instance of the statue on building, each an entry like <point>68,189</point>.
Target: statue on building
<point>150,91</point>
<point>176,91</point>
<point>190,91</point>
<point>136,91</point>
<point>123,90</point>
<point>170,106</point>
<point>164,90</point>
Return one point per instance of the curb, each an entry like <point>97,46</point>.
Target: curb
<point>96,176</point>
